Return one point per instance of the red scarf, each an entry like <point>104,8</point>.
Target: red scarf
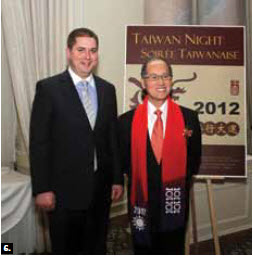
<point>173,171</point>
<point>174,148</point>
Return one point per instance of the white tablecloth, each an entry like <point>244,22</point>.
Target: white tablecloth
<point>17,212</point>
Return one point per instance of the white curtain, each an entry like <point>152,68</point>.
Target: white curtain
<point>35,34</point>
<point>221,12</point>
<point>8,115</point>
<point>17,36</point>
<point>187,12</point>
<point>168,12</point>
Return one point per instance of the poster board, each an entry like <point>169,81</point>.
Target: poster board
<point>208,65</point>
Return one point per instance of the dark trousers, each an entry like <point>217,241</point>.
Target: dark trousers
<point>81,231</point>
<point>170,243</point>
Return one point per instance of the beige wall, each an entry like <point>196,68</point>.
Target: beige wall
<point>108,19</point>
<point>232,203</point>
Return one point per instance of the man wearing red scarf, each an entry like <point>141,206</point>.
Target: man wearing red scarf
<point>160,147</point>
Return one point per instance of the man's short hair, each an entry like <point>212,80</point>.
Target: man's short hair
<point>80,32</point>
<point>151,59</point>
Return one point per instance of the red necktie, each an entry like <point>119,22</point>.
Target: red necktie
<point>157,137</point>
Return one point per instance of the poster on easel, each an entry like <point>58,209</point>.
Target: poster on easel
<point>208,65</point>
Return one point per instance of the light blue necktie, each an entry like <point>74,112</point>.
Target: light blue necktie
<point>88,97</point>
<point>89,107</point>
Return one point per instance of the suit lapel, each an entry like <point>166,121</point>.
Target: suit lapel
<point>72,95</point>
<point>100,98</point>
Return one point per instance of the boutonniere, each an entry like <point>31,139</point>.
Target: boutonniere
<point>187,133</point>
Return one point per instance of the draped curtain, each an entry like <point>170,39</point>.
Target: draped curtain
<point>8,116</point>
<point>34,33</point>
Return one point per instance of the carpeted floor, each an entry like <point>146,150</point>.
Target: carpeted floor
<point>239,243</point>
<point>119,242</point>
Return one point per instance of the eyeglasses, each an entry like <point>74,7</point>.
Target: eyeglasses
<point>155,77</point>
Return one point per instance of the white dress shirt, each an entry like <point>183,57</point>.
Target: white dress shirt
<point>76,79</point>
<point>152,117</point>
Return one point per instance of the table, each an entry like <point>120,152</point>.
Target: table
<point>17,212</point>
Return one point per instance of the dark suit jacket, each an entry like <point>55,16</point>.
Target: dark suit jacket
<point>193,142</point>
<point>193,148</point>
<point>62,142</point>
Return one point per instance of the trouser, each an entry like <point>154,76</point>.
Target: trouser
<point>81,231</point>
<point>168,243</point>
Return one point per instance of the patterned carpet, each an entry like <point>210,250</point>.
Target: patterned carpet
<point>240,244</point>
<point>119,242</point>
<point>244,248</point>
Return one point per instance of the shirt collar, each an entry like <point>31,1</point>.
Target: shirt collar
<point>76,79</point>
<point>152,108</point>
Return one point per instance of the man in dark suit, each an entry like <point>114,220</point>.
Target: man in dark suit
<point>160,145</point>
<point>73,150</point>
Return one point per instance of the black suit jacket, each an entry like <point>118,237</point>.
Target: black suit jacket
<point>62,142</point>
<point>193,142</point>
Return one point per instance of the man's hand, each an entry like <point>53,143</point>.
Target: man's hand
<point>117,192</point>
<point>45,201</point>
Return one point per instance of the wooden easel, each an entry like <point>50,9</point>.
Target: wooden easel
<point>208,180</point>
